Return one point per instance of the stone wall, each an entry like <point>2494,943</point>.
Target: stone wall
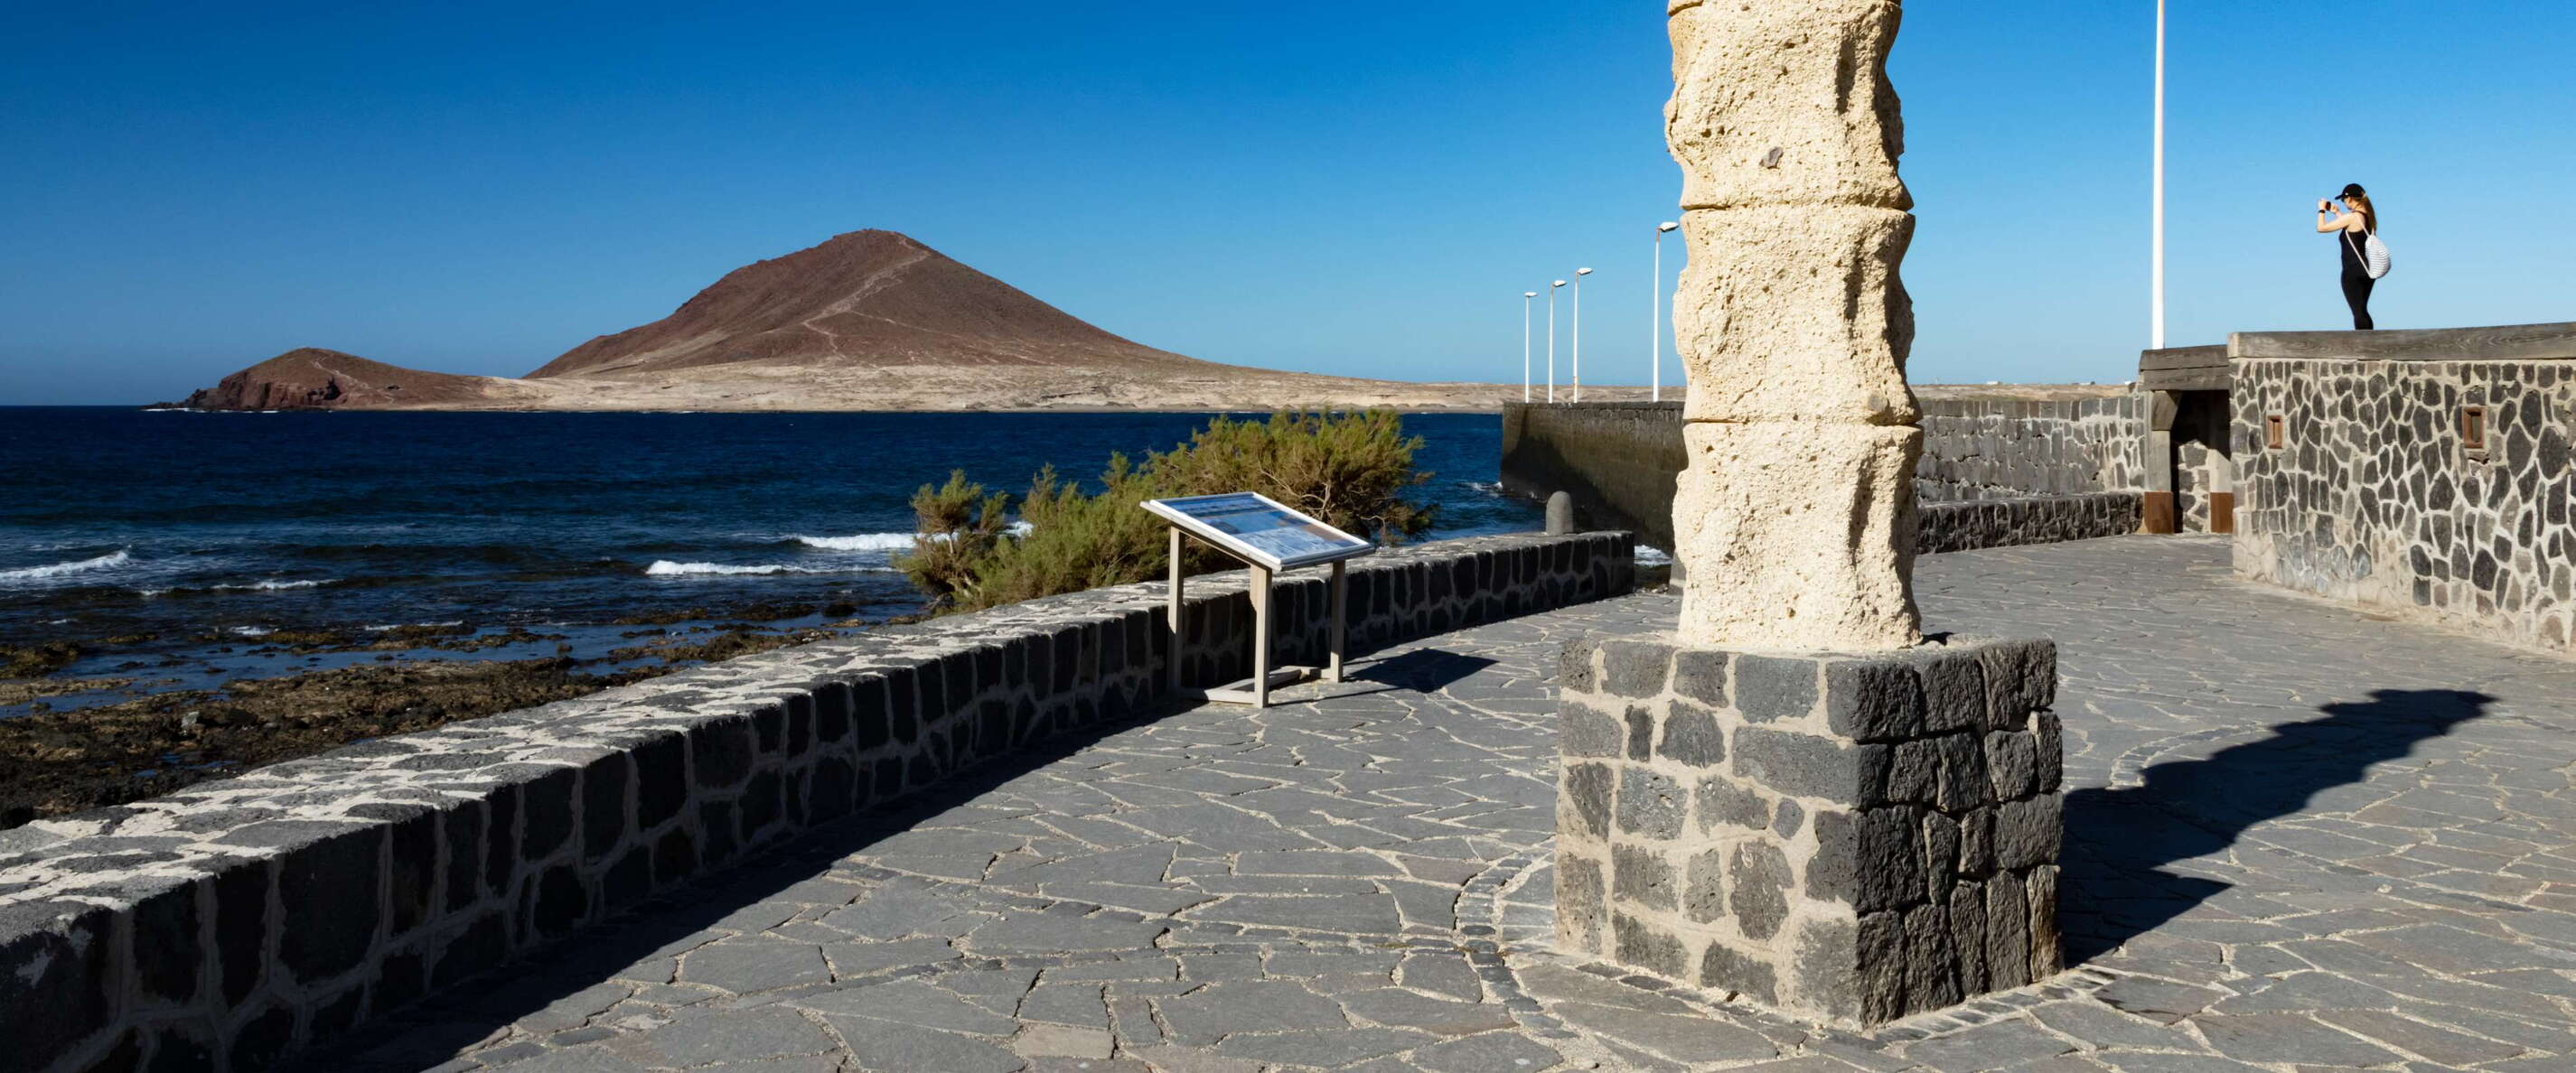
<point>1618,460</point>
<point>2377,495</point>
<point>2062,456</point>
<point>1853,838</point>
<point>1969,524</point>
<point>233,922</point>
<point>2008,448</point>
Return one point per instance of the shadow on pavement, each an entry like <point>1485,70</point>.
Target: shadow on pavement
<point>2120,840</point>
<point>1425,670</point>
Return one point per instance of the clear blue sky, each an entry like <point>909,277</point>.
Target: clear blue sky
<point>1359,188</point>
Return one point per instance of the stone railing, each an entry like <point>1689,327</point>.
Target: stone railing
<point>231,923</point>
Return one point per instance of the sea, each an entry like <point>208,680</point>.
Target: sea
<point>168,543</point>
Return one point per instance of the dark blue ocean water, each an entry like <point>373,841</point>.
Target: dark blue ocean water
<point>197,525</point>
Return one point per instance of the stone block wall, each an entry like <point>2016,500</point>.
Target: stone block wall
<point>1852,838</point>
<point>2008,448</point>
<point>234,922</point>
<point>2063,457</point>
<point>2378,496</point>
<point>1969,524</point>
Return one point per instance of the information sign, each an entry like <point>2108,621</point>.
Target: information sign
<point>1258,529</point>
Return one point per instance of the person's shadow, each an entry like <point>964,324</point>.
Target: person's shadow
<point>2119,841</point>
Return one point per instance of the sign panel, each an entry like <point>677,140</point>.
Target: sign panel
<point>1257,528</point>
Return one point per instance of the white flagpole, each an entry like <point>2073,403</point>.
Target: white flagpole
<point>2156,335</point>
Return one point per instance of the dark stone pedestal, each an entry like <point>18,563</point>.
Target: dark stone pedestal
<point>1854,838</point>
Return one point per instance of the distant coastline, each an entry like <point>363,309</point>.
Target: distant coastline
<point>868,321</point>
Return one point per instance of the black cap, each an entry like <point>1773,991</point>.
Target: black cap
<point>2351,189</point>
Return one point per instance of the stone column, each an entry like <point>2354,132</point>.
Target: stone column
<point>1793,799</point>
<point>1794,519</point>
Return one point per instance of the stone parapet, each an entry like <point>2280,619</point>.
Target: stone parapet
<point>236,921</point>
<point>1853,838</point>
<point>2000,467</point>
<point>2414,474</point>
<point>1968,525</point>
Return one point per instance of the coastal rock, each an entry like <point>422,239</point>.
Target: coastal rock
<point>311,378</point>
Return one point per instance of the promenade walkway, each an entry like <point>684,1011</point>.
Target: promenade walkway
<point>2301,837</point>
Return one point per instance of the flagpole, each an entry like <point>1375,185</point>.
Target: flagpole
<point>2156,334</point>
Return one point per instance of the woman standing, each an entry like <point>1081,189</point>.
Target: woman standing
<point>2352,227</point>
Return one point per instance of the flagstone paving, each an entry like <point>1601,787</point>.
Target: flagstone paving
<point>2301,837</point>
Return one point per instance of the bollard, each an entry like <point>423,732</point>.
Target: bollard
<point>1560,514</point>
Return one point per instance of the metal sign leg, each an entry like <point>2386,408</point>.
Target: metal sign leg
<point>1341,635</point>
<point>1260,637</point>
<point>1172,616</point>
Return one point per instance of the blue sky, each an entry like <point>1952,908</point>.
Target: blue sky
<point>1357,188</point>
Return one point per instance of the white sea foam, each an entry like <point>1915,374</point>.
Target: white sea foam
<point>108,561</point>
<point>253,631</point>
<point>274,586</point>
<point>861,542</point>
<point>667,568</point>
<point>1491,488</point>
<point>886,541</point>
<point>398,625</point>
<point>1647,556</point>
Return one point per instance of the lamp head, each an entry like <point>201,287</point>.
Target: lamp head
<point>1663,227</point>
<point>1583,271</point>
<point>1555,285</point>
<point>1529,294</point>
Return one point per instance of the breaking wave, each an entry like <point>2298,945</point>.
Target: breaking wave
<point>667,568</point>
<point>108,561</point>
<point>886,541</point>
<point>861,542</point>
<point>273,586</point>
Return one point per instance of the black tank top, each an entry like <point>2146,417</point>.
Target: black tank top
<point>2350,243</point>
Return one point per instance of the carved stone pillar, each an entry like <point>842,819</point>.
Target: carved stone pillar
<point>1795,516</point>
<point>1794,799</point>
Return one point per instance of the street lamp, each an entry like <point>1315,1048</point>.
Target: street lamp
<point>1551,339</point>
<point>1525,344</point>
<point>1578,331</point>
<point>1655,320</point>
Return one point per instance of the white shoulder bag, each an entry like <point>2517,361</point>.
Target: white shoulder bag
<point>2373,253</point>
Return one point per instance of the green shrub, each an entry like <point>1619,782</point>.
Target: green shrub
<point>1350,470</point>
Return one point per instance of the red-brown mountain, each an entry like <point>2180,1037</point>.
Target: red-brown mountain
<point>311,378</point>
<point>870,320</point>
<point>863,299</point>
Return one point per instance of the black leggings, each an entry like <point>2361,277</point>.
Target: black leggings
<point>2356,293</point>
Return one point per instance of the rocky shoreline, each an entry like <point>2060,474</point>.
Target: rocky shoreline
<point>75,742</point>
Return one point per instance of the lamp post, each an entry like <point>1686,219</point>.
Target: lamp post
<point>2156,330</point>
<point>1551,339</point>
<point>1526,343</point>
<point>1655,320</point>
<point>1578,331</point>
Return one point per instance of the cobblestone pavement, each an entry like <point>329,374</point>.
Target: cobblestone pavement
<point>2300,838</point>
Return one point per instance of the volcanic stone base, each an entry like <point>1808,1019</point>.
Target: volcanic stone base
<point>1854,838</point>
